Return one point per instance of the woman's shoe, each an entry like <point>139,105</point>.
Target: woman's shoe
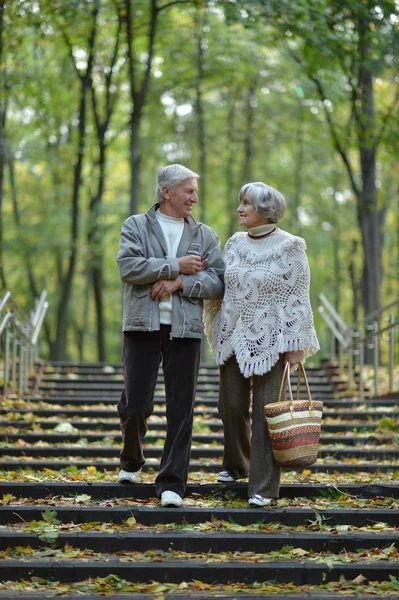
<point>258,500</point>
<point>225,477</point>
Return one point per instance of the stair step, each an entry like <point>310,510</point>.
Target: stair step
<point>141,491</point>
<point>197,452</point>
<point>55,438</point>
<point>194,542</point>
<point>222,592</point>
<point>298,572</point>
<point>206,466</point>
<point>192,515</point>
<point>199,541</point>
<point>95,411</point>
<point>113,424</point>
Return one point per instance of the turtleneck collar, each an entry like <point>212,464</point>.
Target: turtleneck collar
<point>261,229</point>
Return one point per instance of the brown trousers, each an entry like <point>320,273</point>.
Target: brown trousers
<point>247,448</point>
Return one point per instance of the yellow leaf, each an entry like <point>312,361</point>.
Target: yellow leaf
<point>7,498</point>
<point>306,472</point>
<point>131,521</point>
<point>299,552</point>
<point>91,470</point>
<point>183,585</point>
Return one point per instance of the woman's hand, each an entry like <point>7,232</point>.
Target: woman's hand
<point>293,358</point>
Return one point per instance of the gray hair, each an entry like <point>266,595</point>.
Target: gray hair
<point>267,201</point>
<point>171,176</point>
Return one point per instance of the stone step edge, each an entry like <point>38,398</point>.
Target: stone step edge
<point>220,595</point>
<point>300,572</point>
<point>194,542</point>
<point>147,490</point>
<point>114,423</point>
<point>196,437</point>
<point>197,452</point>
<point>155,515</point>
<point>195,466</point>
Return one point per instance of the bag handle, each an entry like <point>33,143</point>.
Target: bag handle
<point>286,375</point>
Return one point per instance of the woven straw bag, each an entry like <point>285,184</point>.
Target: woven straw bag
<point>294,425</point>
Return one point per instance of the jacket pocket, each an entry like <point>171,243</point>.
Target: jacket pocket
<point>139,308</point>
<point>196,326</point>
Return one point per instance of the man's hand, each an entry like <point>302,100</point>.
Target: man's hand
<point>191,264</point>
<point>163,287</point>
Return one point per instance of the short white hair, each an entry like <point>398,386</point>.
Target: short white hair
<point>171,176</point>
<point>267,201</point>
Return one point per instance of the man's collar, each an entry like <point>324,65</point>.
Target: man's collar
<point>191,222</point>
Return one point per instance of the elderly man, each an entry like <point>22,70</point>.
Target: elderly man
<point>168,263</point>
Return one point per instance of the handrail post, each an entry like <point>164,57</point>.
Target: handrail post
<point>350,368</point>
<point>376,357</point>
<point>332,349</point>
<point>22,330</point>
<point>14,360</point>
<point>21,368</point>
<point>391,350</point>
<point>340,360</point>
<point>6,360</point>
<point>361,365</point>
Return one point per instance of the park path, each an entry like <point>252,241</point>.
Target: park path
<point>64,519</point>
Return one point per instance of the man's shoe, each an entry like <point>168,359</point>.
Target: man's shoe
<point>258,500</point>
<point>128,476</point>
<point>169,498</point>
<point>225,477</point>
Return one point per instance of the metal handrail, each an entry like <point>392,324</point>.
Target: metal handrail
<point>375,315</point>
<point>19,336</point>
<point>352,343</point>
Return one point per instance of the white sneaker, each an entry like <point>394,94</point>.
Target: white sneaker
<point>128,476</point>
<point>225,477</point>
<point>169,498</point>
<point>258,500</point>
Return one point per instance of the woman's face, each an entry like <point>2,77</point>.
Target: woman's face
<point>248,217</point>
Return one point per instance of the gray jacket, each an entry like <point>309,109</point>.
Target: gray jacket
<point>142,260</point>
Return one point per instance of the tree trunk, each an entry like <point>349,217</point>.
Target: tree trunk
<point>2,164</point>
<point>95,237</point>
<point>199,109</point>
<point>231,192</point>
<point>96,276</point>
<point>248,134</point>
<point>135,161</point>
<point>300,155</point>
<point>59,347</point>
<point>369,214</point>
<point>355,283</point>
<point>138,95</point>
<point>3,111</point>
<point>31,278</point>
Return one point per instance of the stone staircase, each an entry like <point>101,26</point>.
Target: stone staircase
<point>67,528</point>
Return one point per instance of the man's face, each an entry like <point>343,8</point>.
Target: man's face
<point>179,201</point>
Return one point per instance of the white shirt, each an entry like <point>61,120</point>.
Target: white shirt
<point>172,229</point>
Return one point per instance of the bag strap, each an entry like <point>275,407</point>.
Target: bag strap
<point>286,376</point>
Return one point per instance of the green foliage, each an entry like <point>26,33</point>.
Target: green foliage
<point>246,45</point>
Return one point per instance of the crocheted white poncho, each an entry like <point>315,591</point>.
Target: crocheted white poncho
<point>266,308</point>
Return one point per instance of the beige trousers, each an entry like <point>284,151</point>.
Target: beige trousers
<point>247,448</point>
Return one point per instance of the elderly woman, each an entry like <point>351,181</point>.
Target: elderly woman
<point>265,320</point>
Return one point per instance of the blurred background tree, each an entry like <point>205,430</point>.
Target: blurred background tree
<point>96,95</point>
